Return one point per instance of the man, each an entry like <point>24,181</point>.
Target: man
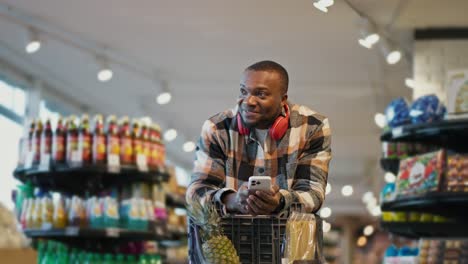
<point>264,135</point>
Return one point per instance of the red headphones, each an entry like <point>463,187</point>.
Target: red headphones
<point>277,130</point>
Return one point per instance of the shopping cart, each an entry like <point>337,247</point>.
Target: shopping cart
<point>258,240</point>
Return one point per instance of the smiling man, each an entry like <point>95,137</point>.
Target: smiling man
<point>264,135</point>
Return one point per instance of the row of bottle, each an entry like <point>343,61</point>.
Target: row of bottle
<point>94,212</point>
<point>51,252</point>
<point>70,143</point>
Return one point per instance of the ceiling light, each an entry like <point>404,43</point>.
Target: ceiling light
<point>390,177</point>
<point>362,241</point>
<point>105,73</point>
<point>320,5</point>
<point>33,43</point>
<point>327,3</point>
<point>391,53</point>
<point>368,230</point>
<point>410,83</point>
<point>170,135</point>
<point>367,196</point>
<point>189,146</point>
<point>347,190</point>
<point>165,96</point>
<point>364,43</point>
<point>328,188</point>
<point>325,212</point>
<point>326,227</point>
<point>380,120</point>
<point>368,32</point>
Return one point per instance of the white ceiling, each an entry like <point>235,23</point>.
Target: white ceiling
<point>201,47</point>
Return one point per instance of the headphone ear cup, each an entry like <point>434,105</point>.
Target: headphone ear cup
<point>280,126</point>
<point>240,125</point>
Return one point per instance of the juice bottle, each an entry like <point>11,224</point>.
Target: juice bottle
<point>46,139</point>
<point>72,141</point>
<point>30,213</point>
<point>37,214</point>
<point>95,214</point>
<point>58,146</point>
<point>24,212</point>
<point>126,146</point>
<point>84,139</point>
<point>113,141</point>
<point>136,141</point>
<point>161,157</point>
<point>60,217</point>
<point>47,211</point>
<point>99,141</point>
<point>145,139</point>
<point>37,142</point>
<point>111,212</point>
<point>32,128</point>
<point>153,148</point>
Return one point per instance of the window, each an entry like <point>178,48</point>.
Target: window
<point>12,110</point>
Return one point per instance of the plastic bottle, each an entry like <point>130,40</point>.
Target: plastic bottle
<point>47,209</point>
<point>96,214</point>
<point>108,259</point>
<point>146,143</point>
<point>154,147</point>
<point>111,213</point>
<point>30,213</point>
<point>85,140</point>
<point>160,145</point>
<point>137,142</point>
<point>134,214</point>
<point>143,259</point>
<point>120,259</point>
<point>37,214</point>
<point>46,139</point>
<point>126,146</point>
<point>37,142</point>
<point>59,144</point>
<point>32,128</point>
<point>99,141</point>
<point>60,217</point>
<point>72,141</point>
<point>131,259</point>
<point>24,213</point>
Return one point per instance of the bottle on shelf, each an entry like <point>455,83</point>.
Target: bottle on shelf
<point>145,138</point>
<point>46,139</point>
<point>37,214</point>
<point>136,141</point>
<point>84,139</point>
<point>60,216</point>
<point>160,147</point>
<point>47,210</point>
<point>113,141</point>
<point>99,141</point>
<point>37,142</point>
<point>126,146</point>
<point>154,147</point>
<point>32,129</point>
<point>73,155</point>
<point>59,143</point>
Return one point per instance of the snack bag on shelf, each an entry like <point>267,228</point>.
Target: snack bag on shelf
<point>420,174</point>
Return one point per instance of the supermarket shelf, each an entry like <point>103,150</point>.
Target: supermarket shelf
<point>91,233</point>
<point>173,200</point>
<point>390,165</point>
<point>418,230</point>
<point>445,204</point>
<point>448,133</point>
<point>88,178</point>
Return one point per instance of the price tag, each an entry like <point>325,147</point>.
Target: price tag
<point>29,160</point>
<point>72,231</point>
<point>113,163</point>
<point>142,163</point>
<point>397,132</point>
<point>112,232</point>
<point>45,162</point>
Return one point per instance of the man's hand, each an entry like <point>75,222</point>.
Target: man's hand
<point>263,202</point>
<point>237,202</point>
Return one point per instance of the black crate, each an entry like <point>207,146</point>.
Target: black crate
<point>258,240</point>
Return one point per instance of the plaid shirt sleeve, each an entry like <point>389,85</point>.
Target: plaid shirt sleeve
<point>310,180</point>
<point>208,177</point>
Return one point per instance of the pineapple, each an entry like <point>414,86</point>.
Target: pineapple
<point>216,247</point>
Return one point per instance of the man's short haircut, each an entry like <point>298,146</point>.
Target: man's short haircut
<point>273,67</point>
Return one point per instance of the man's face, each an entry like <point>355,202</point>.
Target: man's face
<point>261,98</point>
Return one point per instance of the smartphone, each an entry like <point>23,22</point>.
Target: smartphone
<point>260,183</point>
